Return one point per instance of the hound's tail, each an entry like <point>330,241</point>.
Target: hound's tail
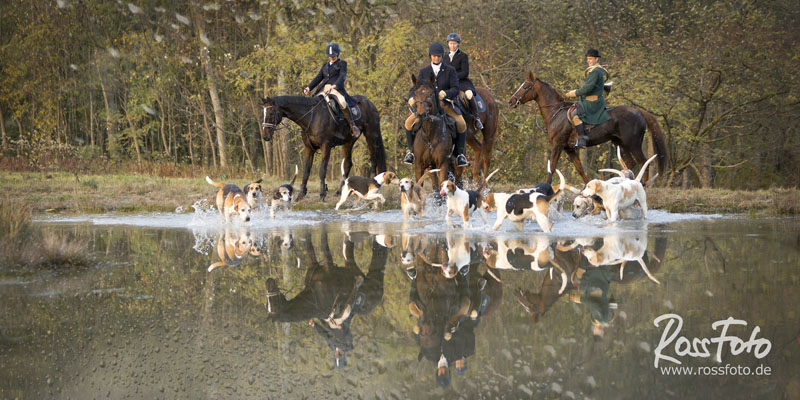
<point>562,184</point>
<point>659,141</point>
<point>295,175</point>
<point>644,167</point>
<point>217,184</point>
<point>427,173</point>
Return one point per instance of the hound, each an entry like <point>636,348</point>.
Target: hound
<point>367,189</point>
<point>464,202</point>
<point>231,201</point>
<point>519,206</point>
<point>283,197</point>
<point>619,194</point>
<point>412,196</point>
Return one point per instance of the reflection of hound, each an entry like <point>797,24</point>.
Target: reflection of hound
<point>233,248</point>
<point>619,249</point>
<point>524,255</point>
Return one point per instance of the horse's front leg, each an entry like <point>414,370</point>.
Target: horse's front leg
<point>323,170</point>
<point>554,155</point>
<point>347,154</point>
<point>576,160</point>
<point>475,145</point>
<point>308,160</point>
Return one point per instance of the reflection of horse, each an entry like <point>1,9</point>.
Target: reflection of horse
<point>332,295</point>
<point>490,119</point>
<point>625,129</point>
<point>433,142</point>
<point>321,132</point>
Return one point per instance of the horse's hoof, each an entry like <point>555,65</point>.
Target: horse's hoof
<point>322,196</point>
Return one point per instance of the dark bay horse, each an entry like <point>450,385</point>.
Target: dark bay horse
<point>433,142</point>
<point>321,132</point>
<point>483,150</point>
<point>625,129</point>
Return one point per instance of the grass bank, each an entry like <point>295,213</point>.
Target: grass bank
<point>77,193</point>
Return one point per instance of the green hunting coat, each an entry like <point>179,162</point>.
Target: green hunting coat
<point>594,109</point>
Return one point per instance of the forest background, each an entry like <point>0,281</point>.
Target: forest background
<point>172,88</point>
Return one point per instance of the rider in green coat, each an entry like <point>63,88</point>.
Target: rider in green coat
<point>591,104</point>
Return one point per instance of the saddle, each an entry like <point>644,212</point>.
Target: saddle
<point>463,103</point>
<point>336,111</point>
<point>587,126</point>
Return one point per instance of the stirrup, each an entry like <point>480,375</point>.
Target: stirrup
<point>461,161</point>
<point>478,124</point>
<point>355,131</point>
<point>580,143</point>
<point>409,158</point>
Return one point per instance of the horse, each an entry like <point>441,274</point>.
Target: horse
<point>433,143</point>
<point>322,132</point>
<point>490,119</point>
<point>625,129</point>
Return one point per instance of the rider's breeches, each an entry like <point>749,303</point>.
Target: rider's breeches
<point>331,90</point>
<point>461,125</point>
<point>574,116</point>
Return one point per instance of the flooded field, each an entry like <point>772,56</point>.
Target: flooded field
<point>319,304</point>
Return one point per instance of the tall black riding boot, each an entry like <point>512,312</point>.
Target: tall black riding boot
<point>582,137</point>
<point>353,128</point>
<point>473,108</point>
<point>461,144</point>
<point>409,158</point>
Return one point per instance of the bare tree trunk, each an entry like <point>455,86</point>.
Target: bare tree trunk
<point>244,149</point>
<point>208,135</point>
<point>162,129</point>
<point>91,118</point>
<point>108,101</point>
<point>219,120</point>
<point>133,133</point>
<point>191,151</point>
<point>2,131</point>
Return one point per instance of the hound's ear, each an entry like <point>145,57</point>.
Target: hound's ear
<point>259,181</point>
<point>530,76</point>
<point>413,79</point>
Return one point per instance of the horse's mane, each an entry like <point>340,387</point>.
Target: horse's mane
<point>288,101</point>
<point>559,97</point>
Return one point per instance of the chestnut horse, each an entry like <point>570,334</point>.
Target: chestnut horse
<point>483,150</point>
<point>625,129</point>
<point>433,141</point>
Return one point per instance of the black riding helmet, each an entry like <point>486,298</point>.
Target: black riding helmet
<point>453,37</point>
<point>593,53</point>
<point>436,49</point>
<point>332,50</point>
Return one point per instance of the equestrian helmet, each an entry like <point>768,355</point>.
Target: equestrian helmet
<point>453,37</point>
<point>593,53</point>
<point>332,50</point>
<point>436,49</point>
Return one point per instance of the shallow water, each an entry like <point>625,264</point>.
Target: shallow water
<point>177,306</point>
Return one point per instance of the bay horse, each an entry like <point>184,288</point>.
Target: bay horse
<point>433,141</point>
<point>483,150</point>
<point>625,129</point>
<point>320,133</point>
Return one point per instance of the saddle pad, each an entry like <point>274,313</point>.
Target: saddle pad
<point>480,103</point>
<point>336,111</point>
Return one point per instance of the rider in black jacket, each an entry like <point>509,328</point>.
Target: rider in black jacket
<point>332,76</point>
<point>460,61</point>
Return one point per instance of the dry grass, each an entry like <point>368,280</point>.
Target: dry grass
<point>68,192</point>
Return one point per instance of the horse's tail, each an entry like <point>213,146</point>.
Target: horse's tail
<point>659,140</point>
<point>377,152</point>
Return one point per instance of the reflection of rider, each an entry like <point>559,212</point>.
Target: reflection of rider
<point>460,61</point>
<point>596,284</point>
<point>446,86</point>
<point>332,296</point>
<point>591,103</point>
<point>333,75</point>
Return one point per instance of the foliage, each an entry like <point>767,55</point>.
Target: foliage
<point>127,81</point>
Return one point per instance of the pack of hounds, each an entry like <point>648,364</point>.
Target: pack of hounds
<point>620,197</point>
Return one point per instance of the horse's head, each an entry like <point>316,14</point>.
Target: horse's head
<point>525,92</point>
<point>271,116</point>
<point>423,98</point>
